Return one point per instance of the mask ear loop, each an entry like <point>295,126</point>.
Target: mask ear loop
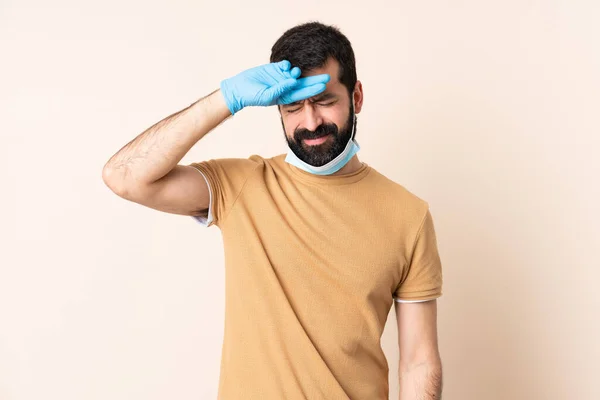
<point>354,123</point>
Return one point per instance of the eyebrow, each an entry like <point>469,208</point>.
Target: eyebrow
<point>314,99</point>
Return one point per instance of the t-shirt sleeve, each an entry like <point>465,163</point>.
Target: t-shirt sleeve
<point>206,218</point>
<point>226,178</point>
<point>423,277</point>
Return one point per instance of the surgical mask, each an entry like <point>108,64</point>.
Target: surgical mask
<point>334,165</point>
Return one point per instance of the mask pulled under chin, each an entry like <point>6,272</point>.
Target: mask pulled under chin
<point>332,166</point>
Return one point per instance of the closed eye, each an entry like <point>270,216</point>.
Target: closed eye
<point>321,104</point>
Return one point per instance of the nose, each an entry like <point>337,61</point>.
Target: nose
<point>311,117</point>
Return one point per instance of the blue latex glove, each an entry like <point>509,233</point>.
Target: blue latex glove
<point>270,84</point>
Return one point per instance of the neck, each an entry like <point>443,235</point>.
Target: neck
<point>352,166</point>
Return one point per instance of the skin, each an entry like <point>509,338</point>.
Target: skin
<point>329,106</point>
<point>420,366</point>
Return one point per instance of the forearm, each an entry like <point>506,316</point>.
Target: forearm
<point>421,381</point>
<point>156,151</point>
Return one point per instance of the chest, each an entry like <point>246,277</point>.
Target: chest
<point>328,245</point>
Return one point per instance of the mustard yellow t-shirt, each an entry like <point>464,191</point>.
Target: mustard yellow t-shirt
<point>312,267</point>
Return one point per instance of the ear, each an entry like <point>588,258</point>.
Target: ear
<point>358,97</point>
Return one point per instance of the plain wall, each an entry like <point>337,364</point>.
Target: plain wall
<point>489,110</point>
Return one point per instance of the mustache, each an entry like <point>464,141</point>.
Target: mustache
<point>322,130</point>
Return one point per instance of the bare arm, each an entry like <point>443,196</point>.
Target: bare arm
<point>420,368</point>
<point>146,170</point>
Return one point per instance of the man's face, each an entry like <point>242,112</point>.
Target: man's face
<point>317,129</point>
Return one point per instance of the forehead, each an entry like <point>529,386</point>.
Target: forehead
<point>331,67</point>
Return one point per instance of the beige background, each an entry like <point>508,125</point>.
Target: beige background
<point>489,110</point>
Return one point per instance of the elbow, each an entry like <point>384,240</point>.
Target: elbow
<point>115,182</point>
<point>125,187</point>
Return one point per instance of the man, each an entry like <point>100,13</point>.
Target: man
<point>317,244</point>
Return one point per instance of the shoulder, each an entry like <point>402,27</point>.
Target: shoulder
<point>232,169</point>
<point>404,208</point>
<point>269,165</point>
<point>233,163</point>
<point>403,199</point>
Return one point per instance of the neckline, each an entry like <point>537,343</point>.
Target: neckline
<point>343,179</point>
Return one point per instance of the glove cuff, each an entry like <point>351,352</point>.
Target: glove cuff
<point>230,100</point>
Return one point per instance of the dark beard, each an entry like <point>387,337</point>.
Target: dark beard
<point>321,154</point>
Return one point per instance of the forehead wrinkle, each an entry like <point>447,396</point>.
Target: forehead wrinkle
<point>322,96</point>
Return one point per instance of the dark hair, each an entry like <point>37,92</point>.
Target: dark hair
<point>309,45</point>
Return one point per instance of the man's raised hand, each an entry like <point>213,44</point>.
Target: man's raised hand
<point>270,84</point>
